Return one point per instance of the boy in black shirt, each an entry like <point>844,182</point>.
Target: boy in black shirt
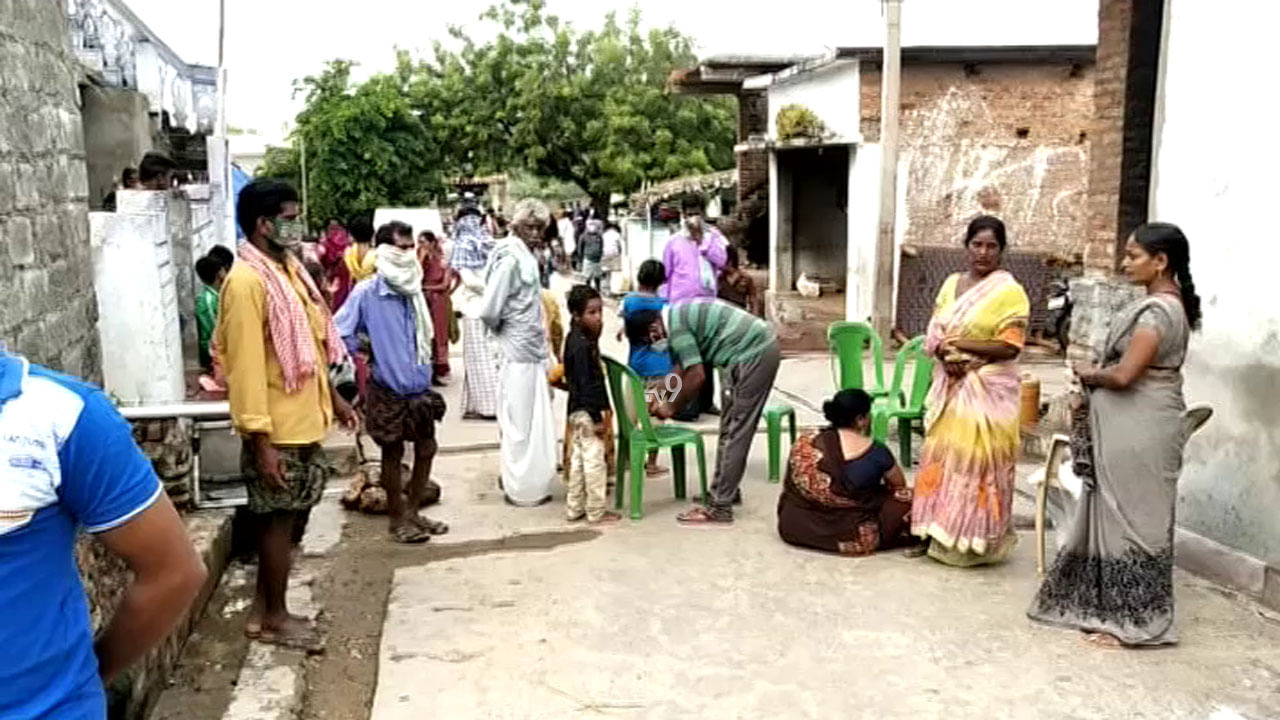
<point>588,401</point>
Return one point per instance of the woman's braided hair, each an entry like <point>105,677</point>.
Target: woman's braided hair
<point>1167,238</point>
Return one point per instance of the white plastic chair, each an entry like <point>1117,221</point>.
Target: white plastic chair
<point>1057,472</point>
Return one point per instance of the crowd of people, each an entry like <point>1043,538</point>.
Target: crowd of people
<point>1113,578</point>
<point>357,331</point>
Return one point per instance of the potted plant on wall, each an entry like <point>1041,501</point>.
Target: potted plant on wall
<point>797,122</point>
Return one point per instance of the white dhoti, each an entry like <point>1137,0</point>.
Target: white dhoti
<point>527,423</point>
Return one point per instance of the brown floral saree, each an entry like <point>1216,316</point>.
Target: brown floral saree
<point>815,510</point>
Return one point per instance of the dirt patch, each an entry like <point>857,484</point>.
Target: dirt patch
<point>353,595</point>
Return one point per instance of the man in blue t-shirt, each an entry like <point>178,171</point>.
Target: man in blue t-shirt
<point>68,461</point>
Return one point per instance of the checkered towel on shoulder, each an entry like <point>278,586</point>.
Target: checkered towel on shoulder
<point>287,320</point>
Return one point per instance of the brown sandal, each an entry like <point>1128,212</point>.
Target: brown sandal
<point>433,527</point>
<point>410,534</point>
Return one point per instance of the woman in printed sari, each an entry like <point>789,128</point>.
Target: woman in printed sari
<point>1113,577</point>
<point>964,488</point>
<point>844,492</point>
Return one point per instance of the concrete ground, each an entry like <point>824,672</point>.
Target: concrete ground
<point>650,619</point>
<point>518,614</point>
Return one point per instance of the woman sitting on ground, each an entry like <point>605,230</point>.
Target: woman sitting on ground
<point>844,492</point>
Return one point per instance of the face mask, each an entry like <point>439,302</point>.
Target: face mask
<point>288,233</point>
<point>659,345</point>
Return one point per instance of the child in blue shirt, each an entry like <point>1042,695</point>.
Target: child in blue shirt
<point>642,321</point>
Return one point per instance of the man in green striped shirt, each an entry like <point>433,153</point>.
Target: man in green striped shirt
<point>706,334</point>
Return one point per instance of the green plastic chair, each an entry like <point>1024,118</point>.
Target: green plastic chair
<point>848,342</point>
<point>773,416</point>
<point>904,406</point>
<point>638,434</point>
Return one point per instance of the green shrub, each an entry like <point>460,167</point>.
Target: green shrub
<point>797,121</point>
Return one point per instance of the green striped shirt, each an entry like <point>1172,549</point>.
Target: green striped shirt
<point>716,333</point>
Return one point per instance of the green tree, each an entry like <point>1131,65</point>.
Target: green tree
<point>583,107</point>
<point>365,145</point>
<point>589,108</point>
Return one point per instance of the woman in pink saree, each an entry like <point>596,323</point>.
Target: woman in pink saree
<point>963,496</point>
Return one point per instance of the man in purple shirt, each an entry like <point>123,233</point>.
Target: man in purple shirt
<point>694,258</point>
<point>390,311</point>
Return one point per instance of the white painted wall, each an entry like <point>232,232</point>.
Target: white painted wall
<point>137,300</point>
<point>864,206</point>
<point>832,92</point>
<point>775,217</point>
<point>204,228</point>
<point>1214,176</point>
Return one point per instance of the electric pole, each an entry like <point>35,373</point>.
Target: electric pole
<point>886,248</point>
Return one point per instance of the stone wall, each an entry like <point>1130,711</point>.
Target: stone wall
<point>1011,140</point>
<point>1097,300</point>
<point>47,309</point>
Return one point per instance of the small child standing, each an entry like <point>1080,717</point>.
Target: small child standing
<point>588,403</point>
<point>650,362</point>
<point>211,272</point>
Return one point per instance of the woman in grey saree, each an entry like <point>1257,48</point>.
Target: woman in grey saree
<point>1113,577</point>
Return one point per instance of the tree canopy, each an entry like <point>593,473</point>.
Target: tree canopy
<point>585,107</point>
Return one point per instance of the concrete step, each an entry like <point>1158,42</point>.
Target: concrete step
<point>269,681</point>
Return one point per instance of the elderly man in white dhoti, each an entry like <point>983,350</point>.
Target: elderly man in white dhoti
<point>512,309</point>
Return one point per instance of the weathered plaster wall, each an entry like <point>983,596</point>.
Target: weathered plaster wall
<point>117,133</point>
<point>1219,193</point>
<point>47,310</point>
<point>1010,140</point>
<point>136,285</point>
<point>831,92</point>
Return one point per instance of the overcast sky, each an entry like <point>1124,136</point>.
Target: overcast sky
<point>272,42</point>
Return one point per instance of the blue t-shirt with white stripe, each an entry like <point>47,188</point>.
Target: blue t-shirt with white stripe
<point>67,462</point>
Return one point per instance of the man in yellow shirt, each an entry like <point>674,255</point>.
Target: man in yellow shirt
<point>276,341</point>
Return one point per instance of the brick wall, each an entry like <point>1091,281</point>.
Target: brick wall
<point>1010,140</point>
<point>47,306</point>
<point>753,165</point>
<point>1124,108</point>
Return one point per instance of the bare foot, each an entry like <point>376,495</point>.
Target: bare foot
<point>1102,640</point>
<point>253,622</point>
<point>608,517</point>
<point>653,470</point>
<point>292,632</point>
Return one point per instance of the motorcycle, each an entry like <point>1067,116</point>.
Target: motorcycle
<point>1059,305</point>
